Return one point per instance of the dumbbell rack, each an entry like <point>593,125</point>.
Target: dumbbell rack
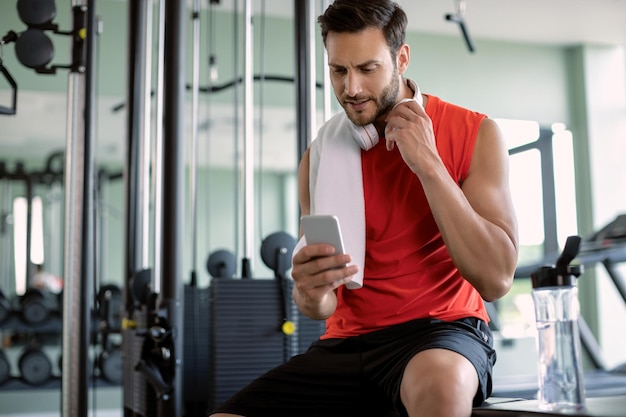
<point>30,352</point>
<point>33,345</point>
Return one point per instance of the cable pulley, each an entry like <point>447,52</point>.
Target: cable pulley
<point>458,18</point>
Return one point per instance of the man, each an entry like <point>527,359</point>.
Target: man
<point>440,235</point>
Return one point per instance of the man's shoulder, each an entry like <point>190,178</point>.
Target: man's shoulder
<point>447,109</point>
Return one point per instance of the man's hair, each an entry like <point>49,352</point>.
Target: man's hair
<point>353,16</point>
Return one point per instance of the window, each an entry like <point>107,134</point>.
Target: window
<point>542,185</point>
<point>20,231</point>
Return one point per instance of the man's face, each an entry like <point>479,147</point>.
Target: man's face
<point>363,74</point>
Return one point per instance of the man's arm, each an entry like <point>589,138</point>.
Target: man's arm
<point>477,220</point>
<point>480,231</point>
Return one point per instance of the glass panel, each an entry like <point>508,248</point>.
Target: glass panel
<point>516,315</point>
<point>36,233</point>
<point>564,183</point>
<point>20,210</point>
<point>526,190</point>
<point>20,219</point>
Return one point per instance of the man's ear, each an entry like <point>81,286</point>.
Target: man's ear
<point>403,57</point>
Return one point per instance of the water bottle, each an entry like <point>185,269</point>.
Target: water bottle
<point>555,296</point>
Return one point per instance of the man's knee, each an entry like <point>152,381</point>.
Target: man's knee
<point>439,382</point>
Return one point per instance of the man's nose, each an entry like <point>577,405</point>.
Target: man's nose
<point>352,84</point>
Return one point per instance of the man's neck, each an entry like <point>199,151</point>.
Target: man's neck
<point>405,91</point>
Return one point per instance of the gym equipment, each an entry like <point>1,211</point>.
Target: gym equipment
<point>35,366</point>
<point>196,349</point>
<point>140,289</point>
<point>458,18</point>
<point>221,264</point>
<point>276,251</point>
<point>110,307</point>
<point>156,359</point>
<point>36,13</point>
<point>245,341</point>
<point>37,305</point>
<point>5,368</point>
<point>8,110</point>
<point>34,49</point>
<point>110,364</point>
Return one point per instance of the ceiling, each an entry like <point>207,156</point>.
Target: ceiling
<point>560,22</point>
<point>544,21</point>
<point>555,22</point>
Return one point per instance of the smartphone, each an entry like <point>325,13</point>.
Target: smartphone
<point>322,228</point>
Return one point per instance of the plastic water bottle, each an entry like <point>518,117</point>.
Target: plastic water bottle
<point>555,296</point>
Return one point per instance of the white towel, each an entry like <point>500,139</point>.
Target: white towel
<point>336,182</point>
<point>336,186</point>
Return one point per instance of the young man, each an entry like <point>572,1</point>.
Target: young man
<point>430,232</point>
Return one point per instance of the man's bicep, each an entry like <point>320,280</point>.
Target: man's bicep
<point>487,185</point>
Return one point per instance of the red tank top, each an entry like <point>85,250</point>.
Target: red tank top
<point>408,272</point>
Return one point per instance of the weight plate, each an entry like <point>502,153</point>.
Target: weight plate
<point>35,367</point>
<point>111,366</point>
<point>34,311</point>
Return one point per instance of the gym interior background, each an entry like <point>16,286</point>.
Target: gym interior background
<point>557,86</point>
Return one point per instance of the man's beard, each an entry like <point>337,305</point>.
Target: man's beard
<point>384,102</point>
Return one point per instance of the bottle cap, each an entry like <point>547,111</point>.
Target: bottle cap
<point>550,276</point>
<point>562,274</point>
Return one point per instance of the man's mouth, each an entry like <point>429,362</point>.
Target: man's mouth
<point>357,105</point>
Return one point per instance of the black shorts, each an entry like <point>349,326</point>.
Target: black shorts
<point>361,376</point>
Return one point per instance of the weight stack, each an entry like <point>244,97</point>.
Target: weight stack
<point>139,397</point>
<point>307,330</point>
<point>196,357</point>
<point>246,338</point>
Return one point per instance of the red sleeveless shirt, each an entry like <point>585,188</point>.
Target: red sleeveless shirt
<point>408,272</point>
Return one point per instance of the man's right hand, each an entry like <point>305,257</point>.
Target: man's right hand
<point>317,273</point>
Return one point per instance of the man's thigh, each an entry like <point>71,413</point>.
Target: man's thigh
<point>470,338</point>
<point>321,382</point>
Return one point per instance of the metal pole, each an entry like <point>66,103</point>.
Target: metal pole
<point>305,74</point>
<point>157,160</point>
<point>145,139</point>
<point>193,174</point>
<point>326,75</point>
<point>173,180</point>
<point>132,386</point>
<point>79,182</point>
<point>248,147</point>
<point>137,25</point>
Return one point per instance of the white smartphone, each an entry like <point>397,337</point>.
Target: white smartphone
<point>321,228</point>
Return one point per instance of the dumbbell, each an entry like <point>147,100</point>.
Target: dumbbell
<point>35,366</point>
<point>37,305</point>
